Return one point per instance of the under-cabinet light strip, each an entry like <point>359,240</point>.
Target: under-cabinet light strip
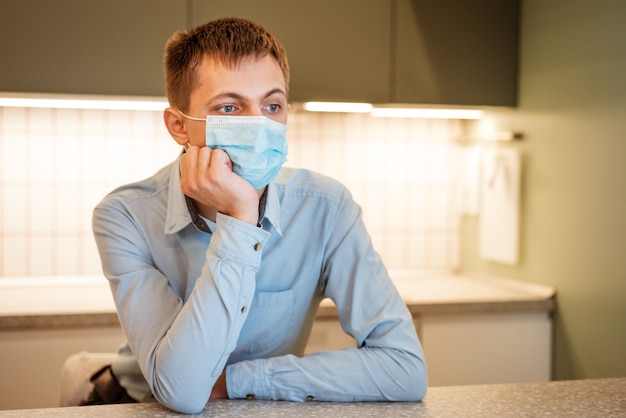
<point>394,112</point>
<point>338,107</point>
<point>158,104</point>
<point>100,103</point>
<point>400,112</point>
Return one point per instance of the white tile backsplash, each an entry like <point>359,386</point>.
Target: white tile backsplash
<point>58,163</point>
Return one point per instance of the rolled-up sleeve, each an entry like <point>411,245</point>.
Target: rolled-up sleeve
<point>387,361</point>
<point>181,346</point>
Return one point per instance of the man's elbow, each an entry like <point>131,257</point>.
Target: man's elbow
<point>413,390</point>
<point>418,391</point>
<point>183,400</point>
<point>413,386</point>
<point>185,406</point>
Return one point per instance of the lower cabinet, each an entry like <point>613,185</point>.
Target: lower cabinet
<point>487,348</point>
<point>31,362</point>
<point>460,349</point>
<point>466,349</point>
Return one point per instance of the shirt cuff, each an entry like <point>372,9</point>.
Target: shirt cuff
<point>238,241</point>
<point>246,380</point>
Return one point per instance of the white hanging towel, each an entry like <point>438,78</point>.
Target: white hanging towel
<point>500,205</point>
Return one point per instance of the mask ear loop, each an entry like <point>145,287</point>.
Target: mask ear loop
<point>187,145</point>
<point>190,117</point>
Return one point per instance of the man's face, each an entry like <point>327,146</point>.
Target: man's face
<point>253,88</point>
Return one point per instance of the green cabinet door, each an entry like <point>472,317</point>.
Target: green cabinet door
<point>379,51</point>
<point>87,47</point>
<point>338,50</point>
<point>456,52</point>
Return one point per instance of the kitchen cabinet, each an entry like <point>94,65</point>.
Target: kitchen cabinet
<point>112,47</point>
<point>468,349</point>
<point>337,50</point>
<point>473,329</point>
<point>456,52</point>
<point>32,361</point>
<point>487,348</point>
<point>450,52</point>
<point>459,348</point>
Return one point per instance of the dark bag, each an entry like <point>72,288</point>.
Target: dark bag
<point>106,389</point>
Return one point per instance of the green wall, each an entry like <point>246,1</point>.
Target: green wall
<point>572,109</point>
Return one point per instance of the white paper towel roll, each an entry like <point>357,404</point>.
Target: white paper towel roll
<point>500,205</point>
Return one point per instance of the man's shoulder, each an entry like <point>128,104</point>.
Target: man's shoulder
<point>155,186</point>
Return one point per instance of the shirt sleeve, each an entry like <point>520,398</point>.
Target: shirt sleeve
<point>387,362</point>
<point>180,348</point>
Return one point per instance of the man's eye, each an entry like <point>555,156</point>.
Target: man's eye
<point>273,108</point>
<point>228,108</point>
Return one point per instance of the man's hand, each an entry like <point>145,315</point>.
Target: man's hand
<point>208,178</point>
<point>220,391</point>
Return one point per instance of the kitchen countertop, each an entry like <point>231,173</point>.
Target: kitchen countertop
<point>449,294</point>
<point>584,398</point>
<point>85,301</point>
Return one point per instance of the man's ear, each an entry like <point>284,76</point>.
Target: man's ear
<point>175,126</point>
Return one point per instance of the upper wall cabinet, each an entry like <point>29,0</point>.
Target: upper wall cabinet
<point>86,47</point>
<point>455,52</point>
<point>338,50</point>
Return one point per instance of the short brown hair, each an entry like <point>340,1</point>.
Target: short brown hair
<point>229,40</point>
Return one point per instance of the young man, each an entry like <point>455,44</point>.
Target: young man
<point>219,261</point>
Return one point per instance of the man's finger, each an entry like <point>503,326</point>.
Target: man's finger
<point>220,156</point>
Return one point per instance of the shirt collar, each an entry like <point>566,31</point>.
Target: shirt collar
<point>178,215</point>
<point>181,211</point>
<point>271,208</point>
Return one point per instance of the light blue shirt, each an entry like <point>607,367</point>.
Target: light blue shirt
<point>194,301</point>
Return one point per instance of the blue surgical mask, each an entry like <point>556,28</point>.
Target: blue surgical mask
<point>256,145</point>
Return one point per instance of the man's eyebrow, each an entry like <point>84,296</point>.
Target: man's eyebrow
<point>237,96</point>
<point>227,96</point>
<point>276,91</point>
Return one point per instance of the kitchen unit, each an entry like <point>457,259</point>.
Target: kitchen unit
<point>473,329</point>
<point>75,47</point>
<point>399,51</point>
<point>449,52</point>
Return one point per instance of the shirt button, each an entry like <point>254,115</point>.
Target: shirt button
<point>243,309</point>
<point>257,246</point>
<point>309,398</point>
<point>250,397</point>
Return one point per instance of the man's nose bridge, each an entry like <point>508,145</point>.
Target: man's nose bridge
<point>254,110</point>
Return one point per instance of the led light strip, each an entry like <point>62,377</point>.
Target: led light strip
<point>158,104</point>
<point>338,107</point>
<point>82,102</point>
<point>394,112</point>
<point>401,112</point>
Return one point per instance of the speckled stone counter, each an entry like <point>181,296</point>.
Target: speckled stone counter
<point>582,398</point>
